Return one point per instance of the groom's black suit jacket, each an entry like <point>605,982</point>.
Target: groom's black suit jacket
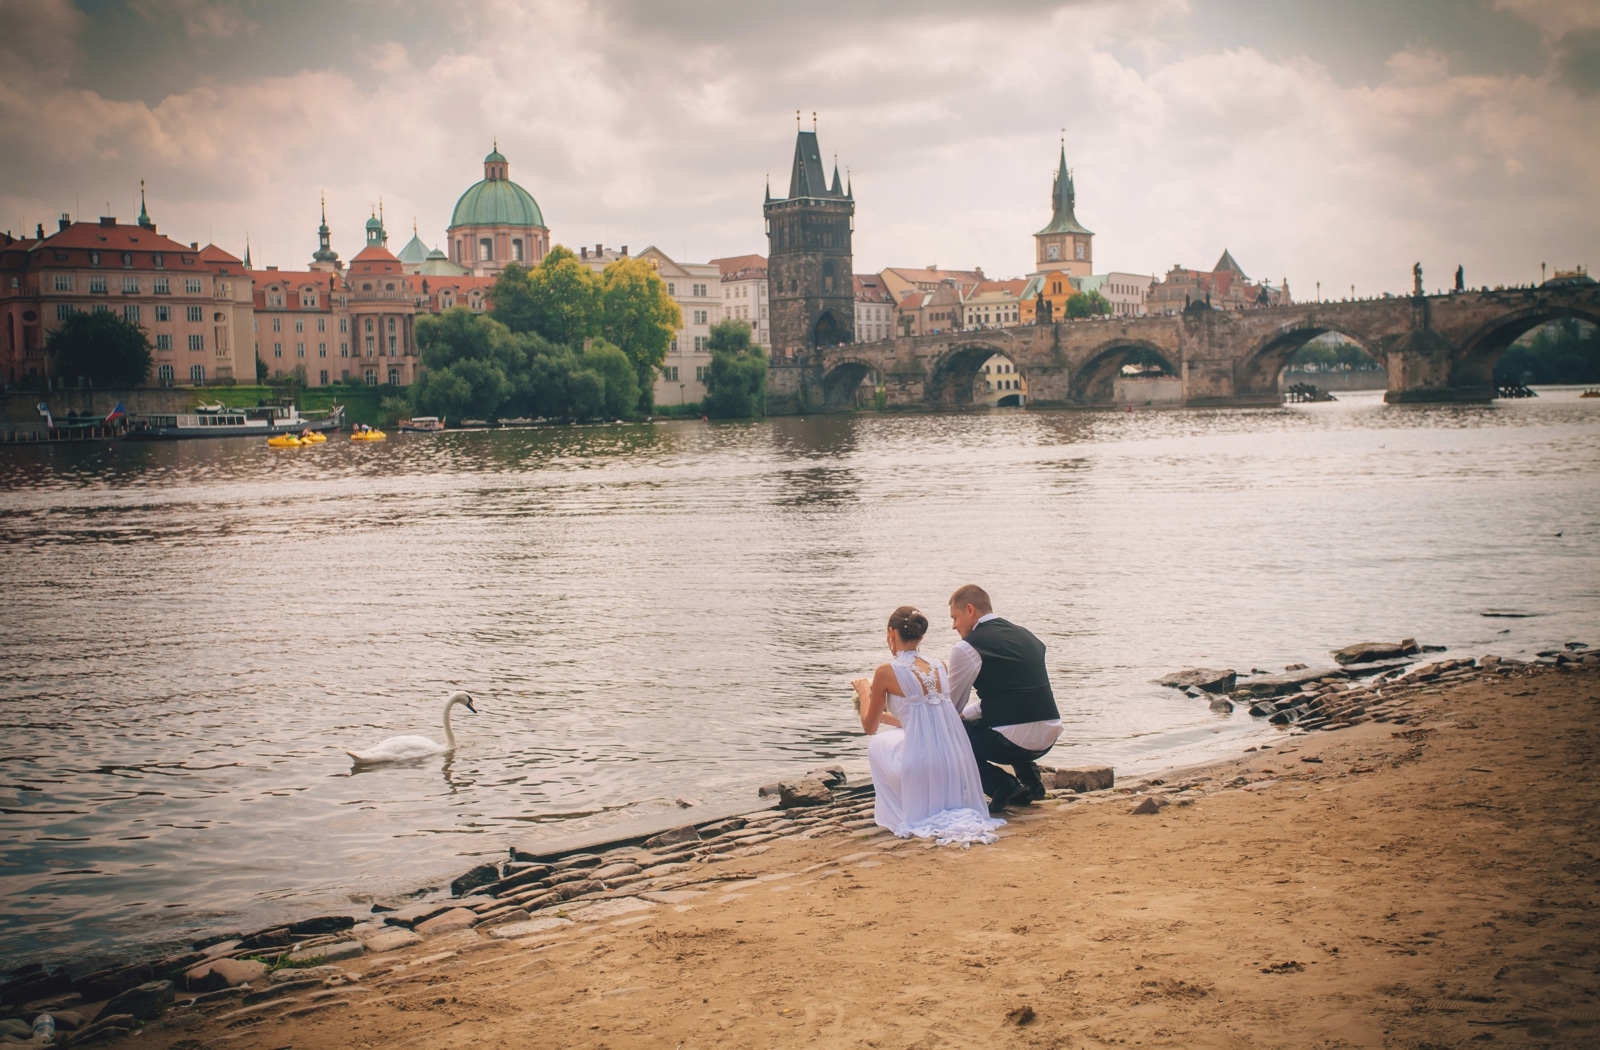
<point>1012,683</point>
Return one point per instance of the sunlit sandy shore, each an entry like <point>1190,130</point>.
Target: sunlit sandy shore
<point>1384,886</point>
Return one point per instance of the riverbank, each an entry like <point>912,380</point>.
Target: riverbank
<point>1382,885</point>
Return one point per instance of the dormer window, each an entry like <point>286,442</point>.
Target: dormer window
<point>94,258</point>
<point>158,260</point>
<point>127,260</point>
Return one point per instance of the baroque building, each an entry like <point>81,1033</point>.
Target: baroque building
<point>496,222</point>
<point>810,281</point>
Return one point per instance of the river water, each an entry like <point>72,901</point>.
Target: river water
<point>658,615</point>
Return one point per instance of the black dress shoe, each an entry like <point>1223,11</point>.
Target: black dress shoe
<point>1035,790</point>
<point>1007,796</point>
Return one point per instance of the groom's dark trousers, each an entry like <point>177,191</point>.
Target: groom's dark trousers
<point>990,746</point>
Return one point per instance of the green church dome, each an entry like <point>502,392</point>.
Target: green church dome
<point>494,157</point>
<point>496,202</point>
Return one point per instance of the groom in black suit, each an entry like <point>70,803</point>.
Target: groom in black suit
<point>1014,721</point>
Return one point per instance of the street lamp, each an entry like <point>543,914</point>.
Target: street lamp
<point>1319,291</point>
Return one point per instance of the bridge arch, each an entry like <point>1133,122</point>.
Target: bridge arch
<point>828,331</point>
<point>1093,381</point>
<point>842,380</point>
<point>1473,363</point>
<point>1257,374</point>
<point>954,375</point>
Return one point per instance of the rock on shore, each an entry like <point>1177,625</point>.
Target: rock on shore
<point>1371,652</point>
<point>1206,679</point>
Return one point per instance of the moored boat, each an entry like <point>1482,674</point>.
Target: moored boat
<point>215,421</point>
<point>422,425</point>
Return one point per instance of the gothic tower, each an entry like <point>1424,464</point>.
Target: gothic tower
<point>810,280</point>
<point>1064,246</point>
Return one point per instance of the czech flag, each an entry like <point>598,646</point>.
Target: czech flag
<point>117,413</point>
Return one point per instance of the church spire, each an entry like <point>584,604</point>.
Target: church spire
<point>144,216</point>
<point>325,252</point>
<point>1063,201</point>
<point>247,265</point>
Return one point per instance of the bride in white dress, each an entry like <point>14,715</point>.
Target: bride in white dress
<point>922,766</point>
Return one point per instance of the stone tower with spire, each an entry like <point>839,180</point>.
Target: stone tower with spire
<point>810,280</point>
<point>1064,246</point>
<point>324,259</point>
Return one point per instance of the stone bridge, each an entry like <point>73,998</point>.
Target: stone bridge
<point>1435,348</point>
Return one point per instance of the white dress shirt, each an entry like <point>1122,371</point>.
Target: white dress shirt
<point>965,663</point>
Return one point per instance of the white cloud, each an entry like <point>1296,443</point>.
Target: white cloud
<point>637,133</point>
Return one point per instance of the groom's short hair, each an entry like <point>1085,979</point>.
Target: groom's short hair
<point>973,595</point>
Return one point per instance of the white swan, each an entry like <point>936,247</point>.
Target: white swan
<point>402,748</point>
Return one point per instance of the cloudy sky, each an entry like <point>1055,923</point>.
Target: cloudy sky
<point>1319,142</point>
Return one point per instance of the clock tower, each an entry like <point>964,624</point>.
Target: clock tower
<point>1064,246</point>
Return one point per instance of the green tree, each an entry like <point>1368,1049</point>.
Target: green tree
<point>559,299</point>
<point>261,371</point>
<point>736,384</point>
<point>1088,304</point>
<point>621,382</point>
<point>639,317</point>
<point>101,348</point>
<point>1565,351</point>
<point>471,365</point>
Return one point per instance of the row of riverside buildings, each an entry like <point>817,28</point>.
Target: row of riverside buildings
<point>211,316</point>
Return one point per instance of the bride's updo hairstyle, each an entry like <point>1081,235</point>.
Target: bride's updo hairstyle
<point>908,623</point>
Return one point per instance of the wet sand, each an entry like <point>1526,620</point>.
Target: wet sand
<point>1425,885</point>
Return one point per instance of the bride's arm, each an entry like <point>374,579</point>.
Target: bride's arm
<point>875,699</point>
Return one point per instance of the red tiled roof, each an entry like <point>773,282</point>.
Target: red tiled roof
<point>375,258</point>
<point>220,261</point>
<point>83,237</point>
<point>735,263</point>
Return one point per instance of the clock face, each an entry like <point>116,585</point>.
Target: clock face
<point>1053,252</point>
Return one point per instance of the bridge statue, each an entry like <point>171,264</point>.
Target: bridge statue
<point>1434,348</point>
<point>1416,279</point>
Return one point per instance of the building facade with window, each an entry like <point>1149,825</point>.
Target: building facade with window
<point>874,309</point>
<point>1126,292</point>
<point>1225,287</point>
<point>697,289</point>
<point>744,295</point>
<point>188,307</point>
<point>993,304</point>
<point>496,222</point>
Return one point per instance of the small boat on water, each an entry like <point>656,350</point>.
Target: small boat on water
<point>1591,392</point>
<point>216,421</point>
<point>368,435</point>
<point>422,425</point>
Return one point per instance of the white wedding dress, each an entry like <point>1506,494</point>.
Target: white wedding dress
<point>924,773</point>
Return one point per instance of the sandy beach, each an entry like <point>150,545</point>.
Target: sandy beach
<point>1423,885</point>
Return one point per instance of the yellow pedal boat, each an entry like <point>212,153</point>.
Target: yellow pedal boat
<point>368,435</point>
<point>286,441</point>
<point>313,438</point>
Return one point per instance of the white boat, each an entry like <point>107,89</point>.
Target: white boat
<point>422,425</point>
<point>215,421</point>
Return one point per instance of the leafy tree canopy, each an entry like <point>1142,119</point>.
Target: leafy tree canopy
<point>639,317</point>
<point>1088,304</point>
<point>558,300</point>
<point>1565,351</point>
<point>621,381</point>
<point>101,348</point>
<point>736,384</point>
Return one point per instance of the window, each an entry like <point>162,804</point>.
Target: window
<point>516,249</point>
<point>130,312</point>
<point>699,291</point>
<point>391,324</point>
<point>191,286</point>
<point>299,324</point>
<point>101,308</point>
<point>197,374</point>
<point>485,250</point>
<point>277,349</point>
<point>277,324</point>
<point>127,260</point>
<point>672,289</point>
<point>197,342</point>
<point>344,324</point>
<point>322,324</point>
<point>299,349</point>
<point>391,346</point>
<point>322,351</point>
<point>97,286</point>
<point>700,373</point>
<point>159,260</point>
<point>63,311</point>
<point>163,286</point>
<point>670,373</point>
<point>673,347</point>
<point>163,313</point>
<point>371,377</point>
<point>308,297</point>
<point>194,313</point>
<point>699,344</point>
<point>344,374</point>
<point>163,342</point>
<point>699,317</point>
<point>369,325</point>
<point>344,351</point>
<point>63,282</point>
<point>166,373</point>
<point>370,346</point>
<point>322,377</point>
<point>94,258</point>
<point>394,377</point>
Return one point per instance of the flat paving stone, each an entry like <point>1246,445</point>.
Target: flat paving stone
<point>392,940</point>
<point>513,930</point>
<point>608,909</point>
